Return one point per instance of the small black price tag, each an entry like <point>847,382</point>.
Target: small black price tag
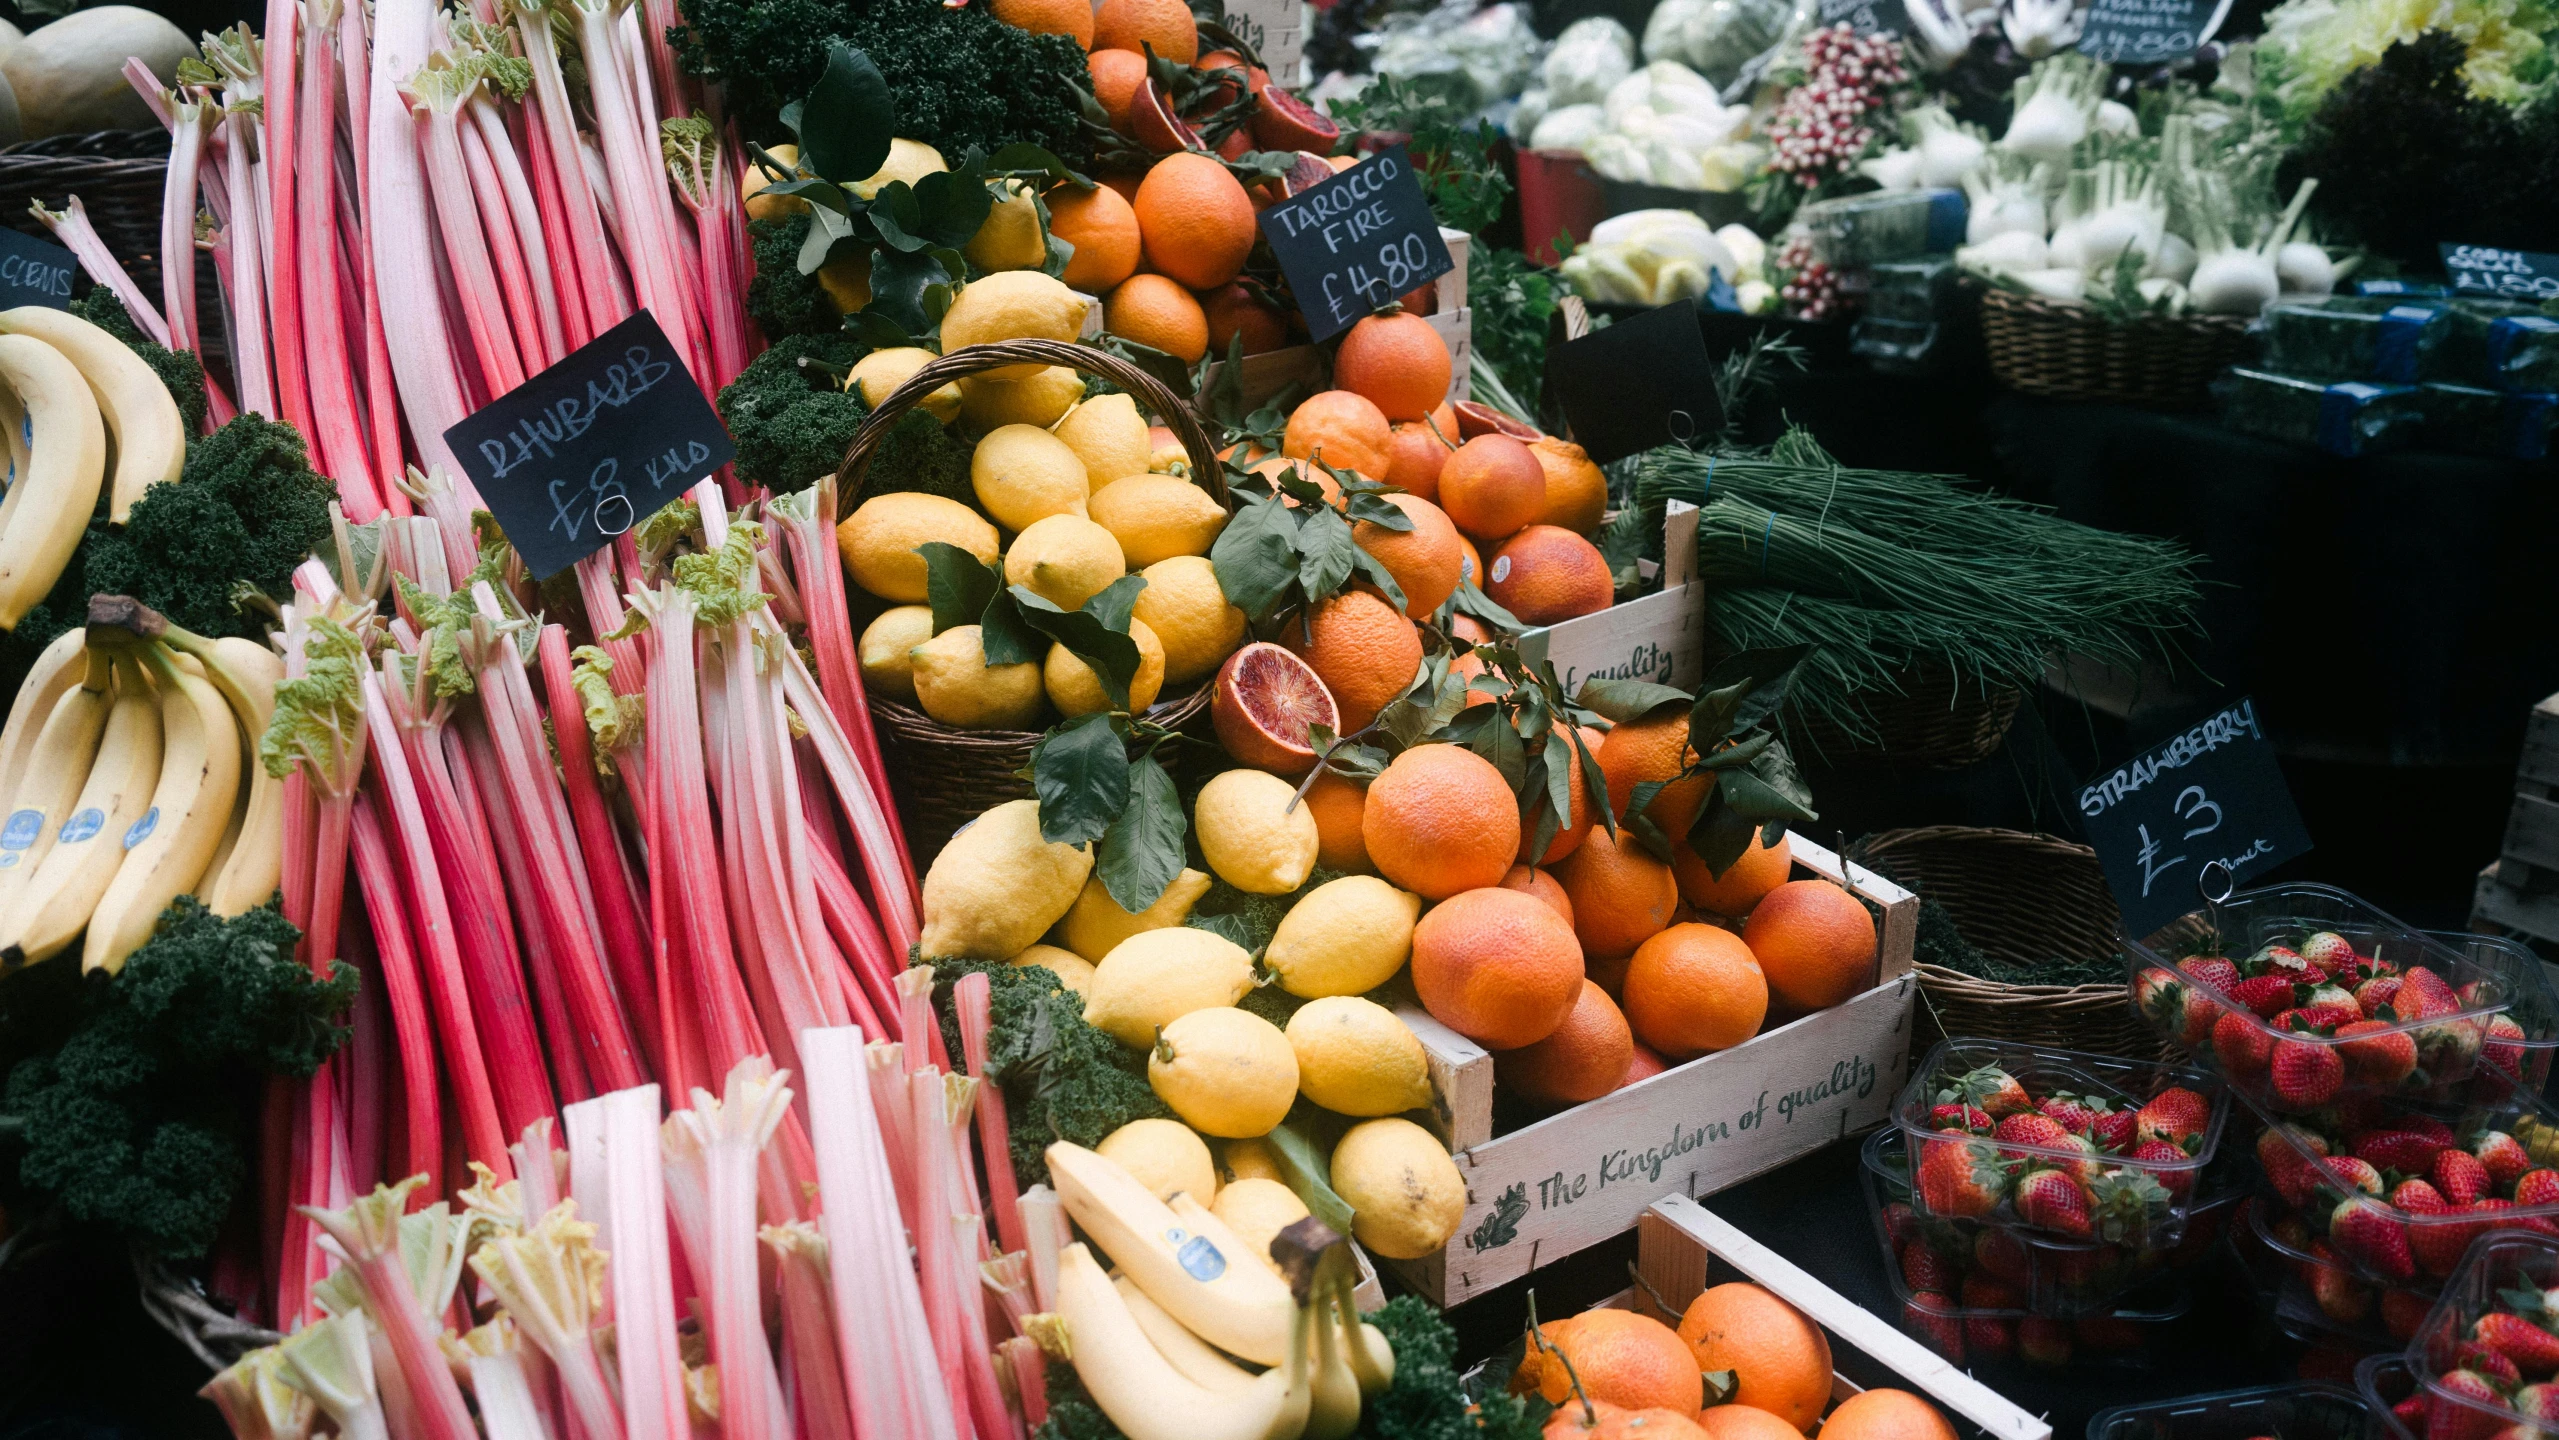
<point>1642,382</point>
<point>1357,241</point>
<point>588,448</point>
<point>34,272</point>
<point>2212,793</point>
<point>2149,32</point>
<point>2503,274</point>
<point>1867,17</point>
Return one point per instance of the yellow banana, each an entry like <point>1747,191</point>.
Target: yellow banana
<point>58,667</point>
<point>13,427</point>
<point>55,906</point>
<point>167,850</point>
<point>245,875</point>
<point>1186,1260</point>
<point>150,439</point>
<point>1333,1397</point>
<point>57,765</point>
<point>1198,1360</point>
<point>1372,1359</point>
<point>50,505</point>
<point>1141,1391</point>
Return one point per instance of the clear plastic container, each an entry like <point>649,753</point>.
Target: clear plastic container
<point>2519,1047</point>
<point>2308,1411</point>
<point>2349,418</point>
<point>1915,292</point>
<point>2500,1268</point>
<point>2313,1291</point>
<point>1882,226</point>
<point>2498,345</point>
<point>2441,1051</point>
<point>2388,1384</point>
<point>1896,347</point>
<point>2496,424</point>
<point>2354,337</point>
<point>2139,1204</point>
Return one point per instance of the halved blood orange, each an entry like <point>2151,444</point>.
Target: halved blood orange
<point>1287,123</point>
<point>1264,701</point>
<point>1475,418</point>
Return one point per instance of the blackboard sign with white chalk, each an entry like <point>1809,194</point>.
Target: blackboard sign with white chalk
<point>2212,793</point>
<point>33,272</point>
<point>1357,241</point>
<point>2149,32</point>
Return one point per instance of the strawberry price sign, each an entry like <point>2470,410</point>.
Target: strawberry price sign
<point>2210,795</point>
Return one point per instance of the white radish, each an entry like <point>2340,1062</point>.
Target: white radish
<point>2114,117</point>
<point>1893,169</point>
<point>2303,268</point>
<point>2066,285</point>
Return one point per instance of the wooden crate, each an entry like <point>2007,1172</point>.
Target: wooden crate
<point>1659,637</point>
<point>2521,890</point>
<point>1275,31</point>
<point>1682,1247</point>
<point>1582,1175</point>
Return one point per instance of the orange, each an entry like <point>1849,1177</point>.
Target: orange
<point>1622,896</point>
<point>1780,1359</point>
<point>1492,486</point>
<point>1123,183</point>
<point>1345,431</point>
<point>1474,569</point>
<point>1049,17</point>
<point>1103,230</point>
<point>1578,815</point>
<point>1396,360</point>
<point>1441,820</point>
<point>1263,701</point>
<point>1424,560</point>
<point>1165,25</point>
<point>1743,1422</point>
<point>1886,1415</point>
<point>1654,749</point>
<point>1760,869</point>
<point>1494,965</point>
<point>1234,310</point>
<point>1443,422</point>
<point>1546,573</point>
<point>1529,880</point>
<point>1341,163</point>
<point>1365,651</point>
<point>1816,942</point>
<point>1625,1359</point>
<point>1117,76</point>
<point>1582,1059</point>
<point>1599,1420</point>
<point>1576,491</point>
<point>1152,310</point>
<point>1338,806</point>
<point>1195,218</point>
<point>1646,1064</point>
<point>1694,989</point>
<point>1413,459</point>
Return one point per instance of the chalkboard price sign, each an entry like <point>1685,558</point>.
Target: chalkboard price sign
<point>1357,241</point>
<point>1867,17</point>
<point>2212,793</point>
<point>33,272</point>
<point>590,447</point>
<point>2504,274</point>
<point>2149,32</point>
<point>1644,381</point>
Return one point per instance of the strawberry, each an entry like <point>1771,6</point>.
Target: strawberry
<point>2290,1233</point>
<point>2426,1125</point>
<point>2279,1154</point>
<point>2280,960</point>
<point>2402,1311</point>
<point>2173,1007</point>
<point>2537,1187</point>
<point>2037,1130</point>
<point>2001,1254</point>
<point>2327,952</point>
<point>2241,1044</point>
<point>2375,994</point>
<point>2411,1414</point>
<point>1929,1317</point>
<point>2417,1197</point>
<point>1985,1292</point>
<point>2500,1370</point>
<point>2264,995</point>
<point>2114,1130</point>
<point>2386,1058</point>
<point>2534,1350</point>
<point>1899,1221</point>
<point>2502,1048</point>
<point>2423,995</point>
<point>2504,1156</point>
<point>2125,1204</point>
<point>2170,1170</point>
<point>2212,972</point>
<point>2306,1075</point>
<point>2070,1112</point>
<point>2353,1173</point>
<point>2042,1340</point>
<point>1969,1119</point>
<point>1959,1179</point>
<point>1991,1088</point>
<point>2538,1403</point>
<point>2340,1296</point>
<point>2177,1115</point>
<point>2314,1019</point>
<point>2328,996</point>
<point>2051,1200</point>
<point>2460,1176</point>
<point>1922,1268</point>
<point>2365,1233</point>
<point>2400,1150</point>
<point>1989,1337</point>
<point>2435,1241</point>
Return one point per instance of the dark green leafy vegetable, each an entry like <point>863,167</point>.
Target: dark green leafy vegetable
<point>1425,1401</point>
<point>179,370</point>
<point>780,300</point>
<point>792,421</point>
<point>247,508</point>
<point>1062,1079</point>
<point>1246,918</point>
<point>1511,301</point>
<point>919,453</point>
<point>1452,149</point>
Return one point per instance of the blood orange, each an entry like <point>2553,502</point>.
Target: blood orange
<point>1264,701</point>
<point>1287,123</point>
<point>1475,418</point>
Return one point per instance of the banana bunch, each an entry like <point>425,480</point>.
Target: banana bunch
<point>67,388</point>
<point>127,770</point>
<point>1153,1345</point>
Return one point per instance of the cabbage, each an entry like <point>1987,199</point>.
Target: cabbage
<point>1570,127</point>
<point>1526,113</point>
<point>1619,158</point>
<point>1587,60</point>
<point>1750,253</point>
<point>1718,38</point>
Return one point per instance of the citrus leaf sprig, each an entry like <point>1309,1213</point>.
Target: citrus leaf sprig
<point>1016,625</point>
<point>1274,558</point>
<point>1090,789</point>
<point>1732,735</point>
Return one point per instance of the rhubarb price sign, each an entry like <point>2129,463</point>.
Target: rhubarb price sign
<point>592,446</point>
<point>1357,241</point>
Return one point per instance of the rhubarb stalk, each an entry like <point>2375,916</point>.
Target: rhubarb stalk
<point>367,1235</point>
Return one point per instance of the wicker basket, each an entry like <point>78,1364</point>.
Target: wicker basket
<point>1936,722</point>
<point>2069,352</point>
<point>118,175</point>
<point>2020,898</point>
<point>945,777</point>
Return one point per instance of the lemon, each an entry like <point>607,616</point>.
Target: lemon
<point>1257,1210</point>
<point>770,207</point>
<point>1039,400</point>
<point>1405,1191</point>
<point>1346,937</point>
<point>997,886</point>
<point>1064,559</point>
<point>1022,473</point>
<point>956,686</point>
<point>1355,1058</point>
<point>1249,1160</point>
<point>882,371</point>
<point>1254,838</point>
<point>1158,976</point>
<point>846,279</point>
<point>1109,436</point>
<point>1097,924</point>
<point>1165,1156</point>
<point>1169,455</point>
<point>1009,238</point>
<point>1157,517</point>
<point>1012,305</point>
<point>1072,970</point>
<point>1228,1072</point>
<point>878,540</point>
<point>909,160</point>
<point>1075,690</point>
<point>884,646</point>
<point>1187,611</point>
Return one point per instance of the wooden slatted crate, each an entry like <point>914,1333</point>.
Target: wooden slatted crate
<point>2521,890</point>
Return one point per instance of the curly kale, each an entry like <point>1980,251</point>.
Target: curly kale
<point>141,1116</point>
<point>1062,1078</point>
<point>247,509</point>
<point>919,453</point>
<point>1246,918</point>
<point>1072,1415</point>
<point>958,77</point>
<point>1425,1401</point>
<point>179,370</point>
<point>780,300</point>
<point>791,422</point>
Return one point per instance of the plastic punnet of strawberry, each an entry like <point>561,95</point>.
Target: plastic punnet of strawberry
<point>2518,1046</point>
<point>2077,1146</point>
<point>2311,1410</point>
<point>2389,1386</point>
<point>2488,1355</point>
<point>2314,1290</point>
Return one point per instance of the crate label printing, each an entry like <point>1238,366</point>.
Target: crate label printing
<point>1357,242</point>
<point>2212,793</point>
<point>33,272</point>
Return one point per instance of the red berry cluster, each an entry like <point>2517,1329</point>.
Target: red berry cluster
<point>2503,1361</point>
<point>2397,1195</point>
<point>1968,1297</point>
<point>1820,126</point>
<point>1812,290</point>
<point>2046,1156</point>
<point>2344,1295</point>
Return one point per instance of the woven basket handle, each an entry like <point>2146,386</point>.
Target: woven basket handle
<point>1177,414</point>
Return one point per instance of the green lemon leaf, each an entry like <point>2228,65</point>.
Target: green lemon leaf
<point>956,584</point>
<point>1324,552</point>
<point>1080,772</point>
<point>1111,653</point>
<point>1626,700</point>
<point>1255,557</point>
<point>848,119</point>
<point>1721,833</point>
<point>1769,672</point>
<point>1007,637</point>
<point>1115,602</point>
<point>1142,851</point>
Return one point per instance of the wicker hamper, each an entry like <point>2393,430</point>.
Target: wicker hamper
<point>1936,722</point>
<point>118,175</point>
<point>2070,352</point>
